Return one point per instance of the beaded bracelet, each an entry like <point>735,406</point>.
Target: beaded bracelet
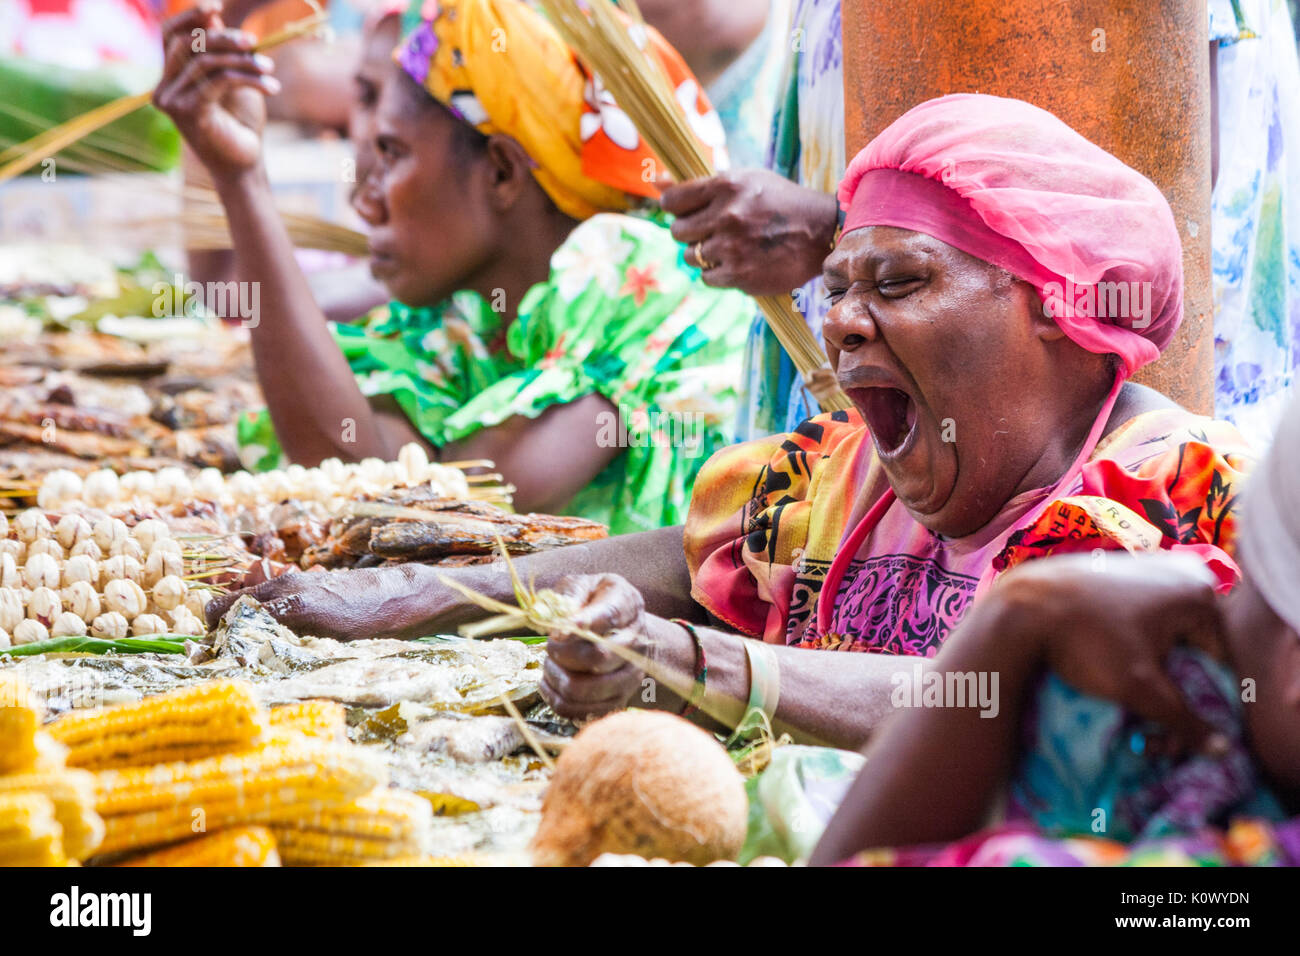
<point>701,670</point>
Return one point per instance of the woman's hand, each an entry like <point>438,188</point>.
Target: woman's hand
<point>1106,623</point>
<point>346,604</point>
<point>213,86</point>
<point>583,679</point>
<point>755,231</point>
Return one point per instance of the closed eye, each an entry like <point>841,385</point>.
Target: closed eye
<point>896,288</point>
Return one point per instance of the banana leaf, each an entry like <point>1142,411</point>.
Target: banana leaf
<point>36,96</point>
<point>160,644</point>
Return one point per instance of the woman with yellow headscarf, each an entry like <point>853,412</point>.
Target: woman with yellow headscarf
<point>538,323</point>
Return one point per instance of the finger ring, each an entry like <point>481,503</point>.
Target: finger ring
<point>704,263</point>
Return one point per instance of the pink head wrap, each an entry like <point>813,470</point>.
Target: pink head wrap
<point>1011,184</point>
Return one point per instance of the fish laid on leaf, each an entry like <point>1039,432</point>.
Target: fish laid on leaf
<point>416,526</point>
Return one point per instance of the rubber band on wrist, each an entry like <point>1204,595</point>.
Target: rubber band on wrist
<point>701,670</point>
<point>764,690</point>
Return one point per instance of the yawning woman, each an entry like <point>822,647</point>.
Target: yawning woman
<point>994,424</point>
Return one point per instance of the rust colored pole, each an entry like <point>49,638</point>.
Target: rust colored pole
<point>1131,75</point>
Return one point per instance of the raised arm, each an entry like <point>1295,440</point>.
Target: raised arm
<point>215,97</point>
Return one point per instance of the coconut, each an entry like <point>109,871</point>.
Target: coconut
<point>647,783</point>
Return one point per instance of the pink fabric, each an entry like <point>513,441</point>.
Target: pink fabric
<point>1099,240</point>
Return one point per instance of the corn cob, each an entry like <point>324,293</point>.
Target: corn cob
<point>383,824</point>
<point>325,719</point>
<point>29,833</point>
<point>189,723</point>
<point>146,806</point>
<point>72,792</point>
<point>19,720</point>
<point>238,846</point>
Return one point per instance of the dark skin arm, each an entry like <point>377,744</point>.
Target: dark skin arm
<point>932,774</point>
<point>411,601</point>
<point>583,680</point>
<point>216,100</point>
<point>1266,651</point>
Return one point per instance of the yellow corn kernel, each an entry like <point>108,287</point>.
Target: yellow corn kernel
<point>20,718</point>
<point>326,719</point>
<point>189,723</point>
<point>73,794</point>
<point>383,824</point>
<point>238,846</point>
<point>147,806</point>
<point>29,833</point>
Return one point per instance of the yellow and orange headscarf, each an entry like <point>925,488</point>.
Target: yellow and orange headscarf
<point>500,66</point>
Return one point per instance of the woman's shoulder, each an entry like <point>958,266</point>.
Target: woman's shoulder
<point>616,229</point>
<point>1154,424</point>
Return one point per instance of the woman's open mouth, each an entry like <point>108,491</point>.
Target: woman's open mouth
<point>890,414</point>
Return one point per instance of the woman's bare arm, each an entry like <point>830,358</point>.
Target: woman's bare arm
<point>932,773</point>
<point>412,601</point>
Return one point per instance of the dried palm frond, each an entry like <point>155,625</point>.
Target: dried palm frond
<point>753,757</point>
<point>22,157</point>
<point>600,38</point>
<point>545,611</point>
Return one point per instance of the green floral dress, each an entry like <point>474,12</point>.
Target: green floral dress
<point>622,315</point>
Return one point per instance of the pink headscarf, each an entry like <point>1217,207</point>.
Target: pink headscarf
<point>1011,184</point>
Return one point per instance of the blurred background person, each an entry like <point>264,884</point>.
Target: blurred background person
<point>766,231</point>
<point>1255,216</point>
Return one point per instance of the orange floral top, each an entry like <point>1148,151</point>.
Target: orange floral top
<point>767,518</point>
